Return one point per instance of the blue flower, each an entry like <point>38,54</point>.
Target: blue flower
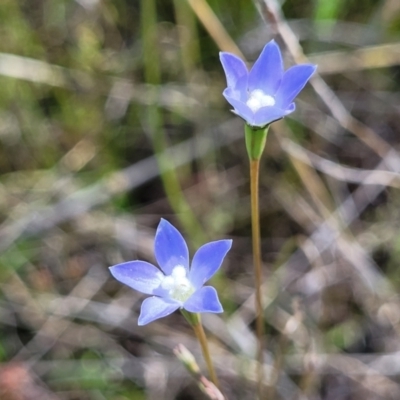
<point>266,93</point>
<point>176,285</point>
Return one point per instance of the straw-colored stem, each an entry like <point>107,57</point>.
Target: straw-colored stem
<point>194,320</point>
<point>255,227</point>
<point>201,337</point>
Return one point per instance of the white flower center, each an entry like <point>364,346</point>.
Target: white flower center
<point>258,99</point>
<point>178,286</point>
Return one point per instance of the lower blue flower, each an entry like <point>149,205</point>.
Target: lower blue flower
<point>175,285</point>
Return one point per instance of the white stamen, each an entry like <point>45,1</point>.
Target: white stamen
<point>168,283</point>
<point>178,286</point>
<point>179,272</point>
<point>258,99</point>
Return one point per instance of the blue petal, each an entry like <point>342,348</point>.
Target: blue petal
<point>239,92</point>
<point>241,88</point>
<point>139,275</point>
<point>233,94</point>
<point>293,81</point>
<point>267,71</point>
<point>170,248</point>
<point>240,108</point>
<point>290,108</point>
<point>267,115</point>
<point>234,68</point>
<point>154,308</point>
<point>204,300</point>
<point>207,261</point>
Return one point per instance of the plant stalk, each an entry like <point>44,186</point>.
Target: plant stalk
<point>195,322</point>
<point>255,227</point>
<point>201,337</point>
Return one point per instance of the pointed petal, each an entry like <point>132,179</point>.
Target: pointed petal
<point>241,88</point>
<point>293,81</point>
<point>267,71</point>
<point>234,68</point>
<point>233,94</point>
<point>266,115</point>
<point>291,107</point>
<point>154,308</point>
<point>240,108</point>
<point>170,248</point>
<point>238,92</point>
<point>138,275</point>
<point>207,261</point>
<point>204,300</point>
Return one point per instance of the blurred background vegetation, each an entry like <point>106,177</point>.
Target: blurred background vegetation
<point>111,117</point>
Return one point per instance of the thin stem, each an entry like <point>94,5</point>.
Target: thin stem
<point>155,126</point>
<point>201,337</point>
<point>255,227</point>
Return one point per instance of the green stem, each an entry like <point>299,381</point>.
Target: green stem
<point>195,321</point>
<point>155,126</point>
<point>255,225</point>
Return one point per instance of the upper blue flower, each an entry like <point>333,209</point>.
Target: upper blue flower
<point>266,93</point>
<point>177,285</point>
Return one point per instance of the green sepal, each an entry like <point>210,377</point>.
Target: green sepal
<point>192,318</point>
<point>255,140</point>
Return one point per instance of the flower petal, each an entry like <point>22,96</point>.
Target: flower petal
<point>241,88</point>
<point>238,92</point>
<point>207,261</point>
<point>240,108</point>
<point>170,248</point>
<point>267,115</point>
<point>139,275</point>
<point>204,300</point>
<point>154,308</point>
<point>267,71</point>
<point>234,68</point>
<point>294,79</point>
